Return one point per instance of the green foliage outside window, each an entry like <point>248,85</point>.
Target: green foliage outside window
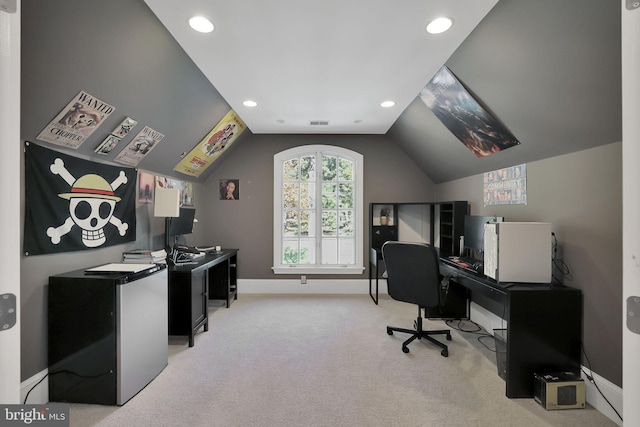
<point>291,255</point>
<point>299,193</point>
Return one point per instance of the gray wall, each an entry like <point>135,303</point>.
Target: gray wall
<point>580,194</point>
<point>35,272</point>
<point>247,224</point>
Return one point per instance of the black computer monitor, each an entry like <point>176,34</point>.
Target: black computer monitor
<point>474,230</point>
<point>182,224</point>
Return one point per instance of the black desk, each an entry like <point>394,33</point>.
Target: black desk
<point>544,325</point>
<point>213,276</point>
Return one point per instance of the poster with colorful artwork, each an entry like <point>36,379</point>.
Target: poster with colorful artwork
<point>506,186</point>
<point>188,198</point>
<point>146,185</point>
<point>212,145</point>
<point>139,147</point>
<point>187,192</point>
<point>454,106</point>
<point>77,121</point>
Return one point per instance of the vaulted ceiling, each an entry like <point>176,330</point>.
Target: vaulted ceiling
<point>548,70</point>
<point>330,61</point>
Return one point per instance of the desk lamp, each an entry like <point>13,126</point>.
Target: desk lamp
<point>166,204</point>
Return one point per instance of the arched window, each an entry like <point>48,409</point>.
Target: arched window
<point>318,212</point>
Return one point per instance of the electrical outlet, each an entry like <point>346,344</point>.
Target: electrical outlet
<point>303,280</point>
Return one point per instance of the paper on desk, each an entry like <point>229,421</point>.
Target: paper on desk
<point>116,267</point>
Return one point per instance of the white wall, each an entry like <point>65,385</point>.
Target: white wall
<point>10,209</point>
<point>631,204</point>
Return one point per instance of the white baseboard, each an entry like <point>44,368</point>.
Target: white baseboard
<point>490,321</point>
<point>40,393</point>
<point>313,286</point>
<point>485,318</point>
<point>612,392</point>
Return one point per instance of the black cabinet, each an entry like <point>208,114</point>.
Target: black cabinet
<point>188,301</point>
<point>191,286</point>
<point>544,326</point>
<point>441,223</point>
<point>223,281</point>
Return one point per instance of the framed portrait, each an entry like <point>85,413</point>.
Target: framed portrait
<point>229,189</point>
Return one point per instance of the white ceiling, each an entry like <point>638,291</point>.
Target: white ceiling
<point>319,60</point>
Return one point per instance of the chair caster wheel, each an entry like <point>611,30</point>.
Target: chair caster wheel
<point>389,331</point>
<point>448,337</point>
<point>405,349</point>
<point>445,353</point>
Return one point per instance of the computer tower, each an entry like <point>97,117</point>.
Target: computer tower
<point>454,303</point>
<point>518,251</point>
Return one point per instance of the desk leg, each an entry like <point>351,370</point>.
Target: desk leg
<point>375,300</point>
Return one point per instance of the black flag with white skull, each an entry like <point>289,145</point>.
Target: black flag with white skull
<point>73,204</point>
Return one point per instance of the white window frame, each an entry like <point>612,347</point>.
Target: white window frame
<point>358,225</point>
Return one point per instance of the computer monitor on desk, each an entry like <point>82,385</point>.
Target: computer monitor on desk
<point>473,240</point>
<point>179,226</point>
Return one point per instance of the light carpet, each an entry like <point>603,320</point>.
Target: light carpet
<point>318,360</point>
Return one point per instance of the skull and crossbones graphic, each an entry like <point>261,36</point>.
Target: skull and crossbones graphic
<point>91,204</point>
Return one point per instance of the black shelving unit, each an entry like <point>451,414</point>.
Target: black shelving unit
<point>451,225</point>
<point>445,224</point>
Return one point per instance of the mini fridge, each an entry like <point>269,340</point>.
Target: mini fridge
<point>108,334</point>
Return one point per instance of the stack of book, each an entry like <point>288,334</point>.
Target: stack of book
<point>143,256</point>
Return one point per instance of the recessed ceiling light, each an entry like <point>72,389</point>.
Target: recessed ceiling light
<point>201,24</point>
<point>439,25</point>
<point>249,103</point>
<point>387,104</point>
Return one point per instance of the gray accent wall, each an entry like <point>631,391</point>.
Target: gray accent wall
<point>389,175</point>
<point>580,194</point>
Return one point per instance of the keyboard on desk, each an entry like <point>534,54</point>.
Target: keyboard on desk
<point>206,248</point>
<point>467,263</point>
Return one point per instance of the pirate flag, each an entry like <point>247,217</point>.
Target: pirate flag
<point>73,204</point>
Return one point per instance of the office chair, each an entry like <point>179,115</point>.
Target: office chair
<point>413,276</point>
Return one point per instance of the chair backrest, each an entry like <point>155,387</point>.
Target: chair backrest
<point>413,273</point>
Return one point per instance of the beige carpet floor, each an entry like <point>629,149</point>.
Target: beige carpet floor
<point>318,360</point>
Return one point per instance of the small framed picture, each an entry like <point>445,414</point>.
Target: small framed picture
<point>229,189</point>
<point>107,145</point>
